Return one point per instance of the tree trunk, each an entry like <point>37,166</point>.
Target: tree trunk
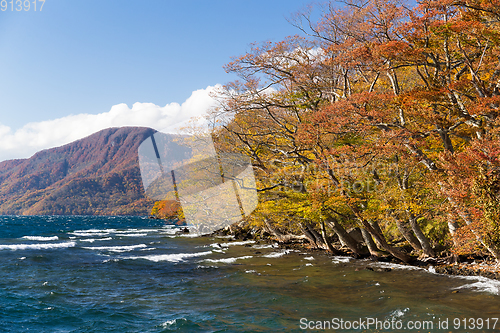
<point>376,226</point>
<point>280,237</point>
<point>408,234</point>
<point>344,236</point>
<point>452,227</point>
<point>325,240</point>
<point>309,236</point>
<point>381,240</point>
<point>317,237</point>
<point>372,247</point>
<point>426,246</point>
<point>466,217</point>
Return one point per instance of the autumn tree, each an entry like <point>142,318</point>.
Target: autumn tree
<point>384,117</point>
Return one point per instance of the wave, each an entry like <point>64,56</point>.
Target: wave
<point>480,283</point>
<point>396,266</point>
<point>398,313</point>
<point>277,254</point>
<point>95,231</point>
<point>218,245</point>
<point>228,260</point>
<point>40,238</point>
<point>190,235</point>
<point>340,259</point>
<point>89,234</point>
<point>91,240</point>
<point>169,231</point>
<point>15,247</point>
<point>117,248</point>
<point>265,246</point>
<point>175,257</point>
<point>136,231</point>
<point>175,324</point>
<point>133,232</point>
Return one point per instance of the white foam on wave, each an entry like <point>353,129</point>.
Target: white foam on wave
<point>173,322</point>
<point>340,259</point>
<point>398,313</point>
<point>219,245</point>
<point>169,231</point>
<point>117,248</point>
<point>228,260</point>
<point>190,235</point>
<point>91,240</point>
<point>41,238</point>
<point>121,231</point>
<point>480,283</point>
<point>89,234</point>
<point>265,246</point>
<point>395,266</point>
<point>175,257</point>
<point>111,260</point>
<point>128,231</point>
<point>15,247</point>
<point>239,243</point>
<point>309,258</point>
<point>95,231</point>
<point>132,232</point>
<point>277,254</point>
<point>206,267</point>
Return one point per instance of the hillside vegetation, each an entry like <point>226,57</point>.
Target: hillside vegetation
<point>98,175</point>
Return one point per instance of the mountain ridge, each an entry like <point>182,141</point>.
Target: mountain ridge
<point>96,175</point>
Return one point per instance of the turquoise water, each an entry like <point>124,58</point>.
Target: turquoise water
<point>130,274</point>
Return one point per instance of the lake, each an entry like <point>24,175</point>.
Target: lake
<point>133,274</point>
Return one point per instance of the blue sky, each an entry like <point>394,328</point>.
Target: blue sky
<point>70,65</point>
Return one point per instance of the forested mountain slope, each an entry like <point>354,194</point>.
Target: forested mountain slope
<point>97,175</point>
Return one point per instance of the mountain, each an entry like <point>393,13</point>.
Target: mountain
<point>97,175</point>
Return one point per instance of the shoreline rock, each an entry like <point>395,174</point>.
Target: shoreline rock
<point>451,265</point>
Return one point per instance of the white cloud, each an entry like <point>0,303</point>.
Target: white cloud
<point>37,136</point>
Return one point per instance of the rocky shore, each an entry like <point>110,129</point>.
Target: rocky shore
<point>450,265</point>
